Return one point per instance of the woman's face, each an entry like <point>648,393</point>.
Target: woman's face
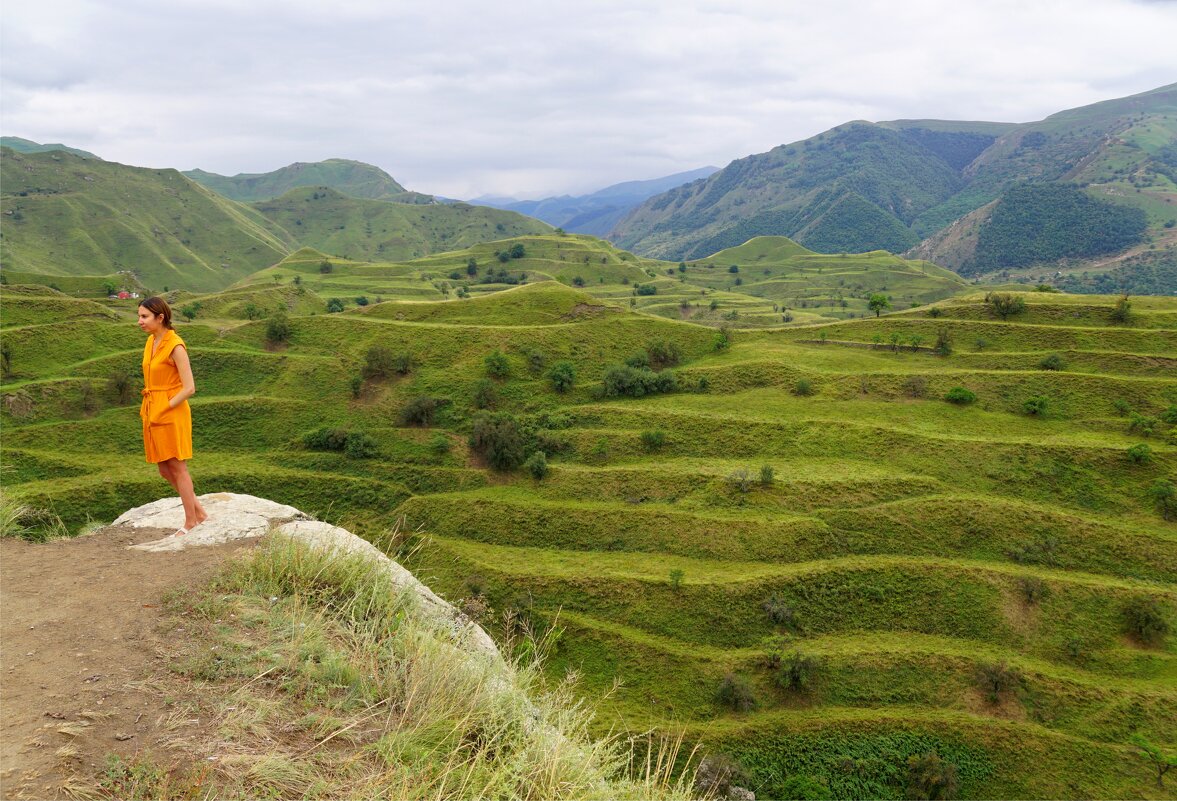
<point>149,322</point>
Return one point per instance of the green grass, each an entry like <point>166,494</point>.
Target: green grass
<point>904,533</point>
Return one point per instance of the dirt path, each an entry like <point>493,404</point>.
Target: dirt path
<point>84,647</point>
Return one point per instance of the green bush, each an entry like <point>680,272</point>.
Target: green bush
<point>562,375</point>
<point>1036,405</point>
<point>1052,362</point>
<point>653,440</point>
<point>537,465</point>
<point>767,475</point>
<point>334,305</point>
<point>1122,311</point>
<point>440,444</point>
<point>379,362</point>
<point>721,341</point>
<point>357,385</point>
<point>960,396</point>
<point>1164,497</point>
<point>278,328</point>
<point>996,679</point>
<point>497,365</point>
<point>1144,620</point>
<point>943,345</point>
<point>1170,415</point>
<point>735,693</point>
<point>915,386</point>
<point>623,380</point>
<point>1141,424</point>
<point>781,613</point>
<point>419,411</point>
<point>1033,589</point>
<point>325,438</point>
<point>645,289</point>
<point>360,446</point>
<point>797,672</point>
<point>803,387</point>
<point>1005,304</point>
<point>663,353</point>
<point>717,774</point>
<point>1140,454</point>
<point>486,394</point>
<point>498,439</point>
<point>930,777</point>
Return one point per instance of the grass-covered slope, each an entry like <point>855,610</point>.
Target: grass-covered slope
<point>66,215</point>
<point>802,553</point>
<point>352,178</point>
<point>328,220</point>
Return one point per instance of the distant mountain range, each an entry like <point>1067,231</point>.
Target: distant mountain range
<point>598,212</point>
<point>932,188</point>
<point>68,215</point>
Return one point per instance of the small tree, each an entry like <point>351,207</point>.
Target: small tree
<point>797,671</point>
<point>497,365</point>
<point>334,305</point>
<point>878,304</point>
<point>1164,497</point>
<point>1052,362</point>
<point>735,693</point>
<point>997,679</point>
<point>379,362</point>
<point>676,577</point>
<point>537,465</point>
<point>1140,454</point>
<point>252,311</point>
<point>740,480</point>
<point>471,267</point>
<point>943,342</point>
<point>960,396</point>
<point>420,410</point>
<point>562,375</point>
<point>325,267</point>
<point>120,385</point>
<point>1161,761</point>
<point>1122,311</point>
<point>930,777</point>
<point>498,439</point>
<point>190,311</point>
<point>88,398</point>
<point>278,328</point>
<point>1144,620</point>
<point>6,358</point>
<point>1005,304</point>
<point>486,394</point>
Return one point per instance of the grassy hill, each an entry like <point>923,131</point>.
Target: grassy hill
<point>865,186</point>
<point>66,216</point>
<point>352,178</point>
<point>802,555</point>
<point>20,145</point>
<point>357,228</point>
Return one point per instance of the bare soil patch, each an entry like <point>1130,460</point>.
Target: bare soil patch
<point>85,644</point>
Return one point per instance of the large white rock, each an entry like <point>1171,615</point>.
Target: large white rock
<point>232,516</point>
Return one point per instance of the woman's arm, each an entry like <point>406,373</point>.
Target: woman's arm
<point>180,358</point>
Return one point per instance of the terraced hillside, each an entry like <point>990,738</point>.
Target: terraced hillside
<point>796,550</point>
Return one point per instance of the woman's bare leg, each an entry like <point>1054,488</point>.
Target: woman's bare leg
<point>180,479</point>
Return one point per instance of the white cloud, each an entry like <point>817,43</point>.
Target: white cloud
<point>530,98</point>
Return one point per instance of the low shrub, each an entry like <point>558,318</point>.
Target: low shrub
<point>717,774</point>
<point>930,777</point>
<point>960,396</point>
<point>653,440</point>
<point>797,672</point>
<point>1033,589</point>
<point>735,693</point>
<point>1140,454</point>
<point>803,387</point>
<point>1052,362</point>
<point>1144,620</point>
<point>915,386</point>
<point>767,475</point>
<point>486,394</point>
<point>623,380</point>
<point>1164,497</point>
<point>562,375</point>
<point>1036,405</point>
<point>781,613</point>
<point>360,446</point>
<point>537,465</point>
<point>497,365</point>
<point>420,410</point>
<point>1141,424</point>
<point>997,679</point>
<point>498,439</point>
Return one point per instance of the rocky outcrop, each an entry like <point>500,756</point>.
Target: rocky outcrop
<point>232,516</point>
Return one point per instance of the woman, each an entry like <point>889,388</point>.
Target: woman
<point>167,419</point>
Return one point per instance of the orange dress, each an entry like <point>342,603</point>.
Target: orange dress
<point>171,436</point>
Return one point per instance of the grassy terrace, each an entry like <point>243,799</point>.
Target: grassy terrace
<point>964,579</point>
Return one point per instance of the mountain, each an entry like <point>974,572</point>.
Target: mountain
<point>598,212</point>
<point>328,220</point>
<point>353,178</point>
<point>924,185</point>
<point>68,215</point>
<point>29,146</point>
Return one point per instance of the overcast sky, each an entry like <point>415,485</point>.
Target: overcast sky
<point>530,98</point>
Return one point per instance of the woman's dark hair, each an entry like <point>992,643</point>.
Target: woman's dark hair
<point>157,306</point>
